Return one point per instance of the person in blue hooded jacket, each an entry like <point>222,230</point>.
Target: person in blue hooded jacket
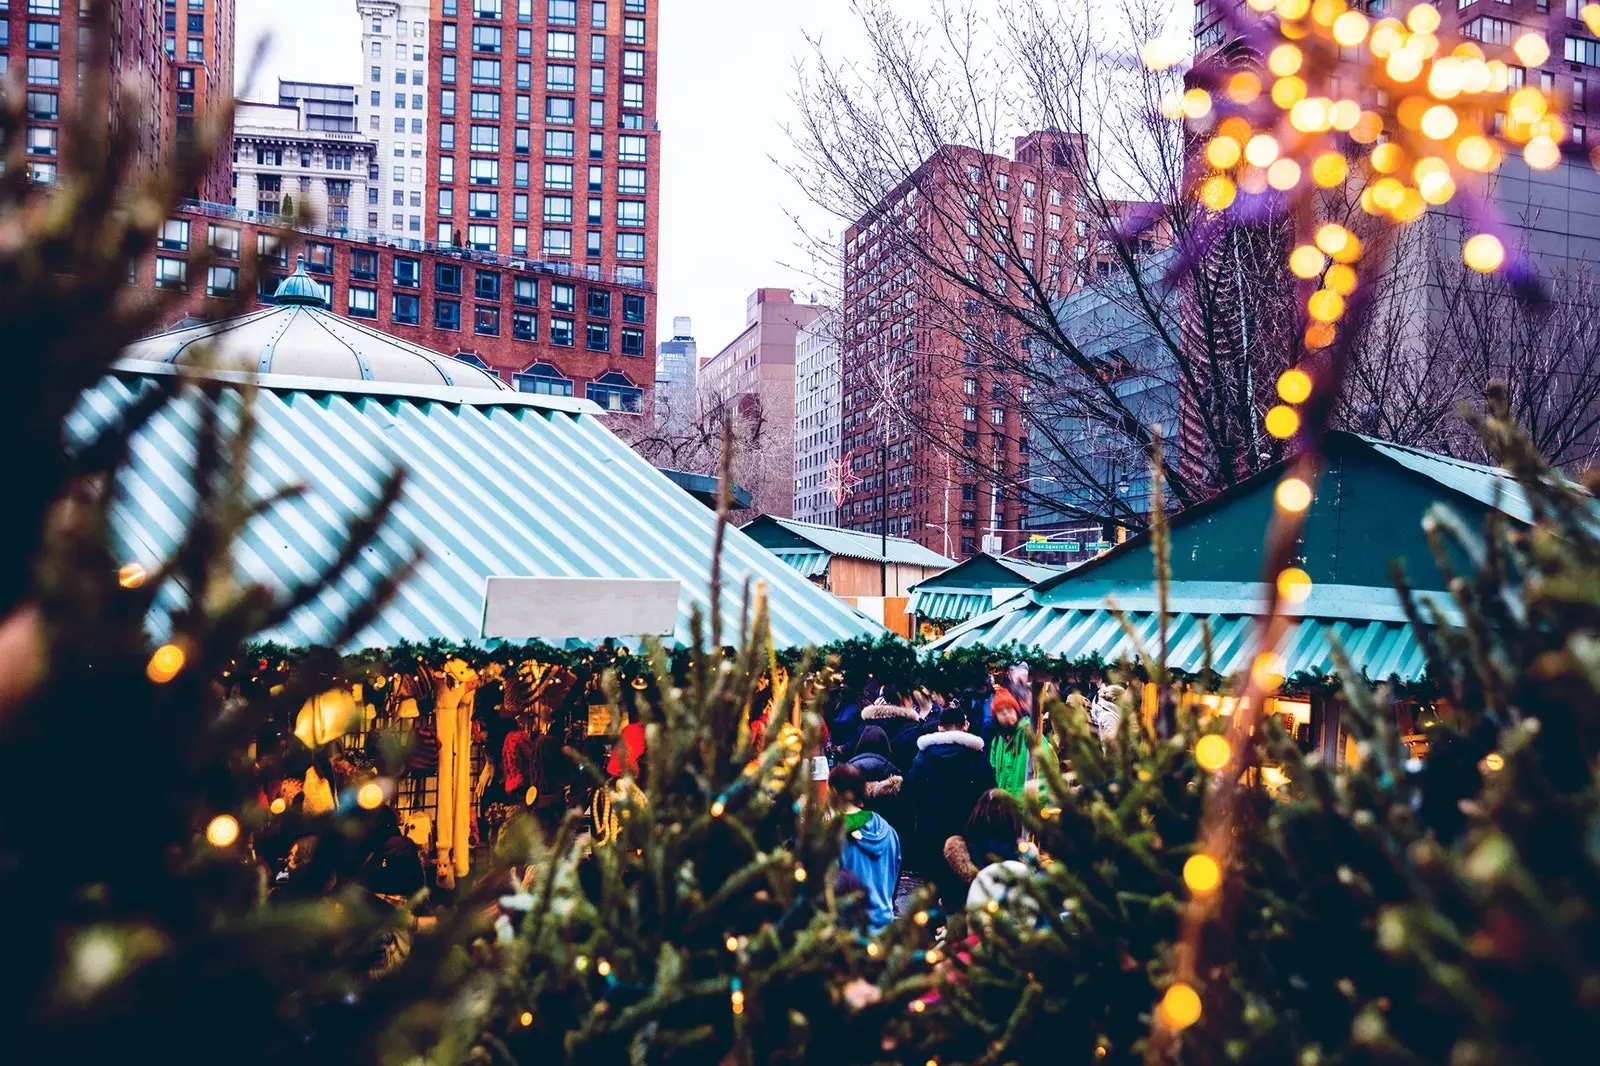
<point>871,848</point>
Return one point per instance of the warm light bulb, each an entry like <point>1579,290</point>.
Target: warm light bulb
<point>222,831</point>
<point>1196,103</point>
<point>1202,874</point>
<point>799,873</point>
<point>370,796</point>
<point>732,943</point>
<point>1261,150</point>
<point>1329,169</point>
<point>1350,28</point>
<point>1282,422</point>
<point>1294,585</point>
<point>165,663</point>
<point>1285,60</point>
<point>1294,386</point>
<point>131,575</point>
<point>1180,1007</point>
<point>1285,91</point>
<point>278,806</point>
<point>1532,49</point>
<point>1341,279</point>
<point>1541,153</point>
<point>1325,305</point>
<point>1483,252</point>
<point>1267,670</point>
<point>1439,122</point>
<point>1212,752</point>
<point>526,1018</point>
<point>1306,262</point>
<point>1223,152</point>
<point>1244,87</point>
<point>1476,153</point>
<point>1293,494</point>
<point>1217,192</point>
<point>1311,115</point>
<point>1344,114</point>
<point>1333,238</point>
<point>1526,105</point>
<point>1494,762</point>
<point>1422,19</point>
<point>1283,175</point>
<point>1388,157</point>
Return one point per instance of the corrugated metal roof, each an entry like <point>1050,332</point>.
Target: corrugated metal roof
<point>1032,571</point>
<point>1379,649</point>
<point>500,484</point>
<point>1489,485</point>
<point>811,562</point>
<point>948,606</point>
<point>855,545</point>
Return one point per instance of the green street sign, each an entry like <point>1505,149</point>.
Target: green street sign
<point>1100,546</point>
<point>1052,546</point>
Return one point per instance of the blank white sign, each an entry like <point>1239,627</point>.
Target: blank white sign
<point>554,609</point>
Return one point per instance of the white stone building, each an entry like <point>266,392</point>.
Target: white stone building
<point>275,158</point>
<point>392,108</point>
<point>818,370</point>
<point>677,366</point>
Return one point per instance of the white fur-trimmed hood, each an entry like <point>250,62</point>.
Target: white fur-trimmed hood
<point>878,712</point>
<point>965,740</point>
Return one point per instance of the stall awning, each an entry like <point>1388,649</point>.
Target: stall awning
<point>498,485</point>
<point>809,562</point>
<point>938,606</point>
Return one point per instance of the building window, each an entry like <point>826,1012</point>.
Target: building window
<point>561,332</point>
<point>363,265</point>
<point>447,37</point>
<point>997,416</point>
<point>319,257</point>
<point>485,139</point>
<point>486,72</point>
<point>44,36</point>
<point>1578,50</point>
<point>224,241</point>
<point>558,110</point>
<point>633,342</point>
<point>483,238</point>
<point>447,314</point>
<point>486,321</point>
<point>563,297</point>
<point>630,246</point>
<point>593,244</point>
<point>558,175</point>
<point>544,380</point>
<point>222,281</point>
<point>43,106</point>
<point>524,326</point>
<point>43,70</point>
<point>483,172</point>
<point>630,213</point>
<point>558,210</point>
<point>597,49</point>
<point>599,303</point>
<point>631,148</point>
<point>484,105</point>
<point>407,309</point>
<point>969,413</point>
<point>486,39</point>
<point>597,81</point>
<point>171,273</point>
<point>174,235</point>
<point>616,393</point>
<point>559,143</point>
<point>561,79</point>
<point>558,242</point>
<point>561,45</point>
<point>633,31</point>
<point>525,292</point>
<point>633,95</point>
<point>486,285</point>
<point>363,302</point>
<point>632,307</point>
<point>599,338</point>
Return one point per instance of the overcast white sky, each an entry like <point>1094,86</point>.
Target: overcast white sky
<point>726,75</point>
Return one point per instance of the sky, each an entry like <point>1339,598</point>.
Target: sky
<point>725,81</point>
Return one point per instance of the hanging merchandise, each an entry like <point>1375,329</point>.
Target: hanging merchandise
<point>327,717</point>
<point>317,796</point>
<point>453,690</point>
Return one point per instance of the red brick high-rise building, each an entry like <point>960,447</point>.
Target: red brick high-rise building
<point>934,430</point>
<point>198,41</point>
<point>543,148</point>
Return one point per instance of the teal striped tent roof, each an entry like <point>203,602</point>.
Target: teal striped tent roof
<point>969,588</point>
<point>499,484</point>
<point>937,605</point>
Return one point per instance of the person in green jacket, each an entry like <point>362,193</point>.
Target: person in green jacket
<point>1014,765</point>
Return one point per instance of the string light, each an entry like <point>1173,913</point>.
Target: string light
<point>1180,1007</point>
<point>1294,386</point>
<point>165,664</point>
<point>1532,49</point>
<point>1422,19</point>
<point>1325,305</point>
<point>370,796</point>
<point>1483,252</point>
<point>278,806</point>
<point>1387,158</point>
<point>799,873</point>
<point>1202,875</point>
<point>222,831</point>
<point>736,997</point>
<point>1285,60</point>
<point>1439,122</point>
<point>1267,670</point>
<point>1244,87</point>
<point>1341,278</point>
<point>718,808</point>
<point>1223,152</point>
<point>1282,422</point>
<point>526,1018</point>
<point>1306,262</point>
<point>1261,150</point>
<point>921,917</point>
<point>1541,153</point>
<point>732,943</point>
<point>1294,585</point>
<point>1286,91</point>
<point>1494,762</point>
<point>1283,175</point>
<point>1350,28</point>
<point>1212,752</point>
<point>131,575</point>
<point>1293,495</point>
<point>603,968</point>
<point>1196,103</point>
<point>874,949</point>
<point>1329,169</point>
<point>918,1006</point>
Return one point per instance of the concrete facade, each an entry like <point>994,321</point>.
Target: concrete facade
<point>275,157</point>
<point>394,51</point>
<point>677,373</point>
<point>818,376</point>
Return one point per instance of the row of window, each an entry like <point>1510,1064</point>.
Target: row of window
<point>631,181</point>
<point>557,12</point>
<point>557,209</point>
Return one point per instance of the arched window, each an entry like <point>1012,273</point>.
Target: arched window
<point>543,379</point>
<point>615,392</point>
<point>468,357</point>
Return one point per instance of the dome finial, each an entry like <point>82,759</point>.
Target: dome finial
<point>298,289</point>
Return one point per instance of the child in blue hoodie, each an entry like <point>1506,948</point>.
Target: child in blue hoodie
<point>871,846</point>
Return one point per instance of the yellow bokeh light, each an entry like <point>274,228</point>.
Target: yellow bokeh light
<point>1386,193</point>
<point>1293,9</point>
<point>1476,153</point>
<point>278,806</point>
<point>165,663</point>
<point>1261,150</point>
<point>1286,91</point>
<point>131,575</point>
<point>1222,152</point>
<point>1483,252</point>
<point>1218,192</point>
<point>1212,752</point>
<point>1532,49</point>
<point>1527,105</point>
<point>369,796</point>
<point>1541,153</point>
<point>222,831</point>
<point>1202,874</point>
<point>1428,164</point>
<point>1437,188</point>
<point>1282,422</point>
<point>1344,115</point>
<point>1294,585</point>
<point>1172,105</point>
<point>1323,12</point>
<point>1293,494</point>
<point>1467,50</point>
<point>1550,127</point>
<point>1439,122</point>
<point>1387,36</point>
<point>1180,1007</point>
<point>526,1018</point>
<point>1422,19</point>
<point>1388,157</point>
<point>1306,262</point>
<point>1591,18</point>
<point>1341,279</point>
<point>1367,128</point>
<point>1283,175</point>
<point>1285,60</point>
<point>1294,386</point>
<point>1234,127</point>
<point>1445,79</point>
<point>1499,76</point>
<point>1329,169</point>
<point>1424,43</point>
<point>1350,28</point>
<point>1494,762</point>
<point>1311,115</point>
<point>1410,208</point>
<point>1325,305</point>
<point>1163,52</point>
<point>1475,76</point>
<point>1333,238</point>
<point>1267,671</point>
<point>1244,87</point>
<point>1196,103</point>
<point>1403,64</point>
<point>1319,335</point>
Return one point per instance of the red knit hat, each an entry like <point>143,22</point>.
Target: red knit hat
<point>1003,698</point>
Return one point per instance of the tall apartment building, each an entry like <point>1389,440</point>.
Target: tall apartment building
<point>934,437</point>
<point>199,41</point>
<point>276,156</point>
<point>394,108</point>
<point>43,44</point>
<point>817,377</point>
<point>753,377</point>
<point>677,371</point>
<point>543,108</point>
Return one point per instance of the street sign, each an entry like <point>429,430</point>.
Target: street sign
<point>1100,546</point>
<point>1052,546</point>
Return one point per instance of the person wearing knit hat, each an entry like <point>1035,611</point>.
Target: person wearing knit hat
<point>1009,751</point>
